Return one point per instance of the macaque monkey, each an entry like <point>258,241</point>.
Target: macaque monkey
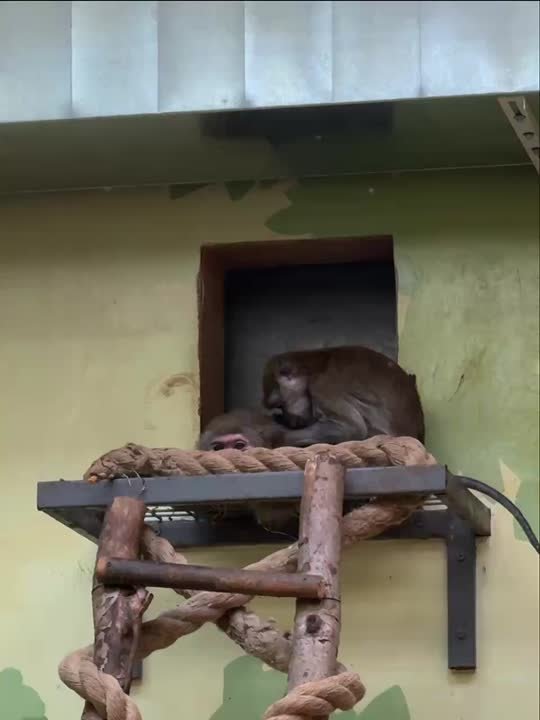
<point>239,430</point>
<point>338,394</point>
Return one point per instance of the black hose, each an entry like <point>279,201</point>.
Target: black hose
<point>498,496</point>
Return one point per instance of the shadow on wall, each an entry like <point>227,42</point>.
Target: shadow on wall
<point>19,701</point>
<point>248,690</point>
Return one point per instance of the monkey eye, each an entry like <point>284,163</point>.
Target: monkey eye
<point>218,446</point>
<point>286,371</point>
<point>240,445</point>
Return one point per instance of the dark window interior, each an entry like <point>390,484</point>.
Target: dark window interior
<point>275,310</point>
<point>260,298</point>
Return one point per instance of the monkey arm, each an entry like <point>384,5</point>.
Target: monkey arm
<point>325,430</point>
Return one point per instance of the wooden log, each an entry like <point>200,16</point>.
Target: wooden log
<point>112,571</point>
<point>118,611</point>
<point>317,624</point>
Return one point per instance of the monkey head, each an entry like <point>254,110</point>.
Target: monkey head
<point>286,389</point>
<point>239,430</point>
<point>334,394</point>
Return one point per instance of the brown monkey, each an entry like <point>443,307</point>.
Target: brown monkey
<point>239,430</point>
<point>343,393</point>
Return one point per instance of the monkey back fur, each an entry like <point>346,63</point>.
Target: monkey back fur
<point>258,637</point>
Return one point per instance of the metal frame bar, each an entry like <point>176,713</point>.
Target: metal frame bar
<point>81,506</point>
<point>461,595</point>
<point>463,503</point>
<point>521,117</point>
<point>189,533</point>
<point>181,491</point>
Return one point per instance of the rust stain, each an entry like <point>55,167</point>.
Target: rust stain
<point>177,380</point>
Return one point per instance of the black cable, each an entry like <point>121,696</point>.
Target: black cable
<point>498,496</point>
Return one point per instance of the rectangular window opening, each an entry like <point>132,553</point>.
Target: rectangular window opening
<point>262,298</point>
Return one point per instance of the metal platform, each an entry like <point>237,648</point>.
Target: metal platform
<point>177,506</point>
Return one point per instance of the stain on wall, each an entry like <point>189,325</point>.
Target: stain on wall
<point>178,380</point>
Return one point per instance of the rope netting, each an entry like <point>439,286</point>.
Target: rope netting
<point>260,638</point>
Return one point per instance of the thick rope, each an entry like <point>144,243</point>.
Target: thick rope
<point>102,690</point>
<point>78,671</point>
<point>319,698</point>
<point>132,459</point>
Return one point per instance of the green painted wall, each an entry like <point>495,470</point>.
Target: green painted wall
<point>98,311</point>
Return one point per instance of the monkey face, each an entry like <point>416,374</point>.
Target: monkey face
<point>240,438</point>
<point>286,389</point>
<point>232,441</point>
<point>237,430</point>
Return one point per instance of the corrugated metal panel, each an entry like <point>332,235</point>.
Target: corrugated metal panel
<point>114,58</point>
<point>376,50</point>
<point>288,52</point>
<point>35,60</point>
<point>479,47</point>
<point>142,57</point>
<point>201,55</point>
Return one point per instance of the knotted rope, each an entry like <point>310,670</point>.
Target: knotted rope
<point>133,459</point>
<point>102,690</point>
<point>319,698</point>
<point>257,637</point>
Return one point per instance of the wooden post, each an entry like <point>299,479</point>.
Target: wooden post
<point>317,624</point>
<point>112,571</point>
<point>118,611</point>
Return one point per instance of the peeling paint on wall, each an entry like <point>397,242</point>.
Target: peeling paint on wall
<point>179,191</point>
<point>239,189</point>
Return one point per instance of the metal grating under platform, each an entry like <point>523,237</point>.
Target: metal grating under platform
<point>177,508</point>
